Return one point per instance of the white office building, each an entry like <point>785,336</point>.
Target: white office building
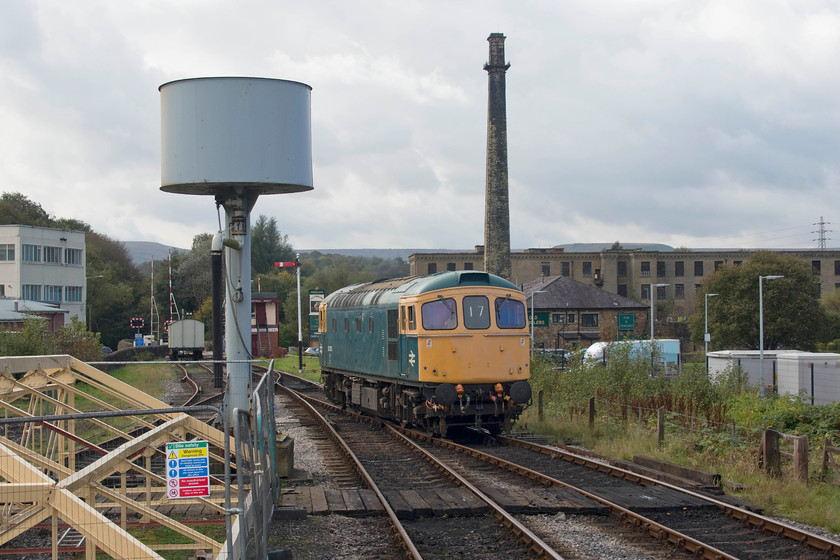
<point>44,265</point>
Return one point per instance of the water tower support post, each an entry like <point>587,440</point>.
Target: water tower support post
<point>238,301</point>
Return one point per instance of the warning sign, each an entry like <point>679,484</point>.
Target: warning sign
<point>187,469</point>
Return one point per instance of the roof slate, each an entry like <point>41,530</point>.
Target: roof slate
<point>559,292</point>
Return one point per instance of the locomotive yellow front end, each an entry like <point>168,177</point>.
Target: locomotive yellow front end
<point>472,346</point>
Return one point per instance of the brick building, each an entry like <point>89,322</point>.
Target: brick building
<point>568,313</point>
<point>630,272</point>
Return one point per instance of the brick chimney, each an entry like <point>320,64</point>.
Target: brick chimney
<point>497,207</point>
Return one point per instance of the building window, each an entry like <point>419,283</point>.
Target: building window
<point>587,269</point>
<point>660,292</point>
<point>31,292</point>
<point>816,266</point>
<point>432,268</point>
<point>836,268</point>
<point>718,264</point>
<point>588,319</point>
<point>73,256</point>
<point>566,269</point>
<point>622,290</point>
<point>679,291</point>
<point>545,269</point>
<point>660,269</point>
<point>698,268</point>
<point>696,288</point>
<point>52,255</point>
<point>570,318</point>
<point>679,268</point>
<point>52,294</point>
<point>2,289</point>
<point>7,253</point>
<point>468,266</point>
<point>645,291</point>
<point>558,318</point>
<point>73,293</point>
<point>450,266</point>
<point>736,263</point>
<point>30,253</point>
<point>622,268</point>
<point>645,269</point>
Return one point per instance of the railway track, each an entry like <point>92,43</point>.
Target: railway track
<point>372,449</point>
<point>666,521</point>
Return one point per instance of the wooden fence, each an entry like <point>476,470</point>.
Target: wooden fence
<point>829,452</point>
<point>770,454</point>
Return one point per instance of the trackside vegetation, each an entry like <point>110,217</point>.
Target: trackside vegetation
<point>711,424</point>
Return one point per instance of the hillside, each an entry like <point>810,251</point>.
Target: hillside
<point>144,251</point>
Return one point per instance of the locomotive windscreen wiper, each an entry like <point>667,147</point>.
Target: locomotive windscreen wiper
<point>446,303</point>
<point>500,302</point>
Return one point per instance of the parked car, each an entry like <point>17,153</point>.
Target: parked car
<point>313,350</point>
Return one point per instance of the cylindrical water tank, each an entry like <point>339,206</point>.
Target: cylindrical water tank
<point>221,135</point>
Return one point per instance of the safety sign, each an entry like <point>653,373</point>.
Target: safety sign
<point>187,469</point>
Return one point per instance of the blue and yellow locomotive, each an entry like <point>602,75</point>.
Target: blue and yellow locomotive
<point>447,349</point>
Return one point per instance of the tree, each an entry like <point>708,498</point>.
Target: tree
<point>115,289</point>
<point>16,208</point>
<point>268,245</point>
<point>793,316</point>
<point>191,279</point>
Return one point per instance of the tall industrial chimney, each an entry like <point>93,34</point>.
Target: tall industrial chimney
<point>497,208</point>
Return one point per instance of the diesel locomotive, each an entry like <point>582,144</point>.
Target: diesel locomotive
<point>438,351</point>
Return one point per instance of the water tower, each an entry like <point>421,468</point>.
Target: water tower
<point>235,138</point>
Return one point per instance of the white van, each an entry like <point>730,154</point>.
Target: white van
<point>668,350</point>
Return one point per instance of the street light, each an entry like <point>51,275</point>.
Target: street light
<point>652,286</point>
<point>532,318</point>
<point>706,336</point>
<point>761,279</point>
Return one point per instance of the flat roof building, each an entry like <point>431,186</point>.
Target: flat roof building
<point>44,265</point>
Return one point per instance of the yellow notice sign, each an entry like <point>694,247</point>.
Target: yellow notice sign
<point>173,456</point>
<point>192,452</point>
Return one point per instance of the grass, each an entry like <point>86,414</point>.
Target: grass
<point>291,364</point>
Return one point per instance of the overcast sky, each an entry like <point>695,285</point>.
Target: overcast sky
<point>690,123</point>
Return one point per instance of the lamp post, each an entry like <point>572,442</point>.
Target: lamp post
<point>652,286</point>
<point>532,318</point>
<point>706,336</point>
<point>761,279</point>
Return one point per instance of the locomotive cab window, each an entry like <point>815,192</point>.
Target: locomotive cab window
<point>510,314</point>
<point>439,315</point>
<point>412,318</point>
<point>476,312</point>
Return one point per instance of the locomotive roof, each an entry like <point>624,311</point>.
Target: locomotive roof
<point>392,289</point>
